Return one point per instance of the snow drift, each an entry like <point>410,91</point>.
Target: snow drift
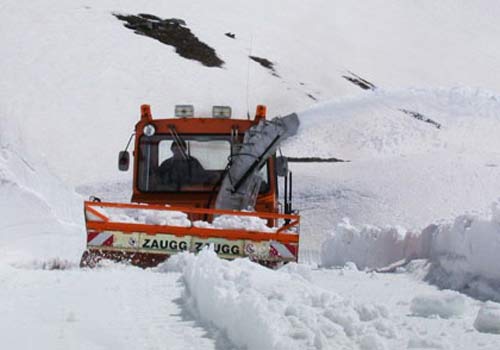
<point>258,308</point>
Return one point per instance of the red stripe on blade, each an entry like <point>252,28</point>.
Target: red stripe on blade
<point>292,249</point>
<point>108,242</point>
<point>91,235</point>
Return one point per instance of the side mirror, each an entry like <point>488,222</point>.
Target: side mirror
<point>281,166</point>
<point>123,161</point>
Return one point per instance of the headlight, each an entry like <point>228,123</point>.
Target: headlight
<point>184,111</point>
<point>149,130</point>
<point>221,112</point>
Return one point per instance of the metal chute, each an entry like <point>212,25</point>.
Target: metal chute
<point>241,183</point>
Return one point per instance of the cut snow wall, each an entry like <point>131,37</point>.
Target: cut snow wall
<point>464,255</point>
<point>369,246</point>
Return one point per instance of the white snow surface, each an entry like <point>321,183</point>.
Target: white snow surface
<point>373,127</point>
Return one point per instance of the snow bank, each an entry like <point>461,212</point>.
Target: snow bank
<point>368,246</point>
<point>41,217</point>
<point>259,308</point>
<point>444,304</point>
<point>462,253</point>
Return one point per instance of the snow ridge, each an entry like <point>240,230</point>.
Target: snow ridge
<point>258,308</point>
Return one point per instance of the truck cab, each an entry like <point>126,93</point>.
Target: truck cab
<point>191,178</point>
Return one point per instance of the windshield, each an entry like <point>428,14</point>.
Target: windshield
<point>196,163</point>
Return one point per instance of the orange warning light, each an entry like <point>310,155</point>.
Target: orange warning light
<point>261,111</point>
<point>146,112</point>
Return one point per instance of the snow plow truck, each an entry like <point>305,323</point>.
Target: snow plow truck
<point>199,182</point>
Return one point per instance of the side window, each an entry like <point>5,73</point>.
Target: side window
<point>213,155</point>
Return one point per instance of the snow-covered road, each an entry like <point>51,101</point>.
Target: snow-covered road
<point>206,303</point>
<point>115,307</point>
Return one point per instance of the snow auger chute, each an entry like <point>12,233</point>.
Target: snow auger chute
<point>200,182</point>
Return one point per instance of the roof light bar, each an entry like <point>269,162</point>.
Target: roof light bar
<point>184,111</point>
<point>221,112</point>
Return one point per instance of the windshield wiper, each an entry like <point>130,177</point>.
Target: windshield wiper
<point>179,141</point>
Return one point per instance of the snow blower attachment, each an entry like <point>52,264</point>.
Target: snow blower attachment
<point>200,182</point>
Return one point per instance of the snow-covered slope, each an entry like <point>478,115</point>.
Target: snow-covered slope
<point>41,216</point>
<point>373,126</point>
<point>74,74</point>
<point>402,171</point>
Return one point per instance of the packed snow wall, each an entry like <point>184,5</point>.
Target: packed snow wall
<point>41,217</point>
<point>462,254</point>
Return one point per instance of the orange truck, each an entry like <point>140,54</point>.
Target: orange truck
<point>198,182</point>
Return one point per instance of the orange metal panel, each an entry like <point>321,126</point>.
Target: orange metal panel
<point>96,213</point>
<point>230,234</point>
<point>192,210</point>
